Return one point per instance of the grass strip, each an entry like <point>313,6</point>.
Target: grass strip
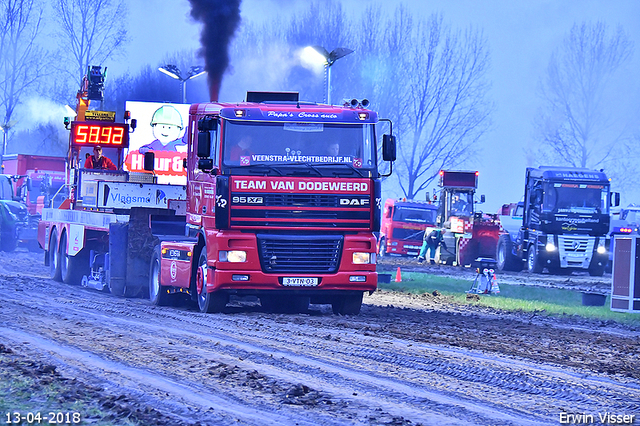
<point>550,301</point>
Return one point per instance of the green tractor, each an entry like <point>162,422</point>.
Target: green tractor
<point>14,215</point>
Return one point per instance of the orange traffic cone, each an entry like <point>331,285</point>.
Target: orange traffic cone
<point>398,277</point>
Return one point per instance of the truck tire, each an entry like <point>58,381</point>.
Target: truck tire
<point>533,265</point>
<point>54,257</point>
<point>208,302</point>
<point>72,268</point>
<point>382,251</point>
<point>34,247</point>
<point>157,293</point>
<point>442,257</point>
<point>462,256</point>
<point>8,239</point>
<point>506,261</point>
<point>597,270</point>
<point>347,305</point>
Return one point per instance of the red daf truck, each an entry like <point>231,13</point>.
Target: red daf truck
<point>283,199</point>
<point>403,225</point>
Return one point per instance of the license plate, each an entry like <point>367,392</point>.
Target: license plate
<point>299,281</point>
<point>412,253</point>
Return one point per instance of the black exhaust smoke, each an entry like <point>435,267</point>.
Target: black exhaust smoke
<point>220,18</point>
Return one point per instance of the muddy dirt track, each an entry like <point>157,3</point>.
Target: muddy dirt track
<point>405,360</point>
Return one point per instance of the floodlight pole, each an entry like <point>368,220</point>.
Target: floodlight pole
<point>173,72</point>
<point>330,59</point>
<point>5,129</point>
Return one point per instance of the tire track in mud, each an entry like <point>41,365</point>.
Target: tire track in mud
<point>138,380</point>
<point>452,375</point>
<point>427,404</point>
<point>388,344</point>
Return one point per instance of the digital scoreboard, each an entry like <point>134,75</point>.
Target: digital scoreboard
<point>105,134</point>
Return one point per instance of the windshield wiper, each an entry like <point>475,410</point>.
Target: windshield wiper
<point>272,166</point>
<point>412,235</point>
<point>358,171</point>
<point>256,168</point>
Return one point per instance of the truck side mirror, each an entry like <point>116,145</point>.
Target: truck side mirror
<point>149,161</point>
<point>536,196</point>
<point>207,124</point>
<point>482,198</point>
<point>204,144</point>
<point>614,199</point>
<point>388,148</point>
<point>205,164</point>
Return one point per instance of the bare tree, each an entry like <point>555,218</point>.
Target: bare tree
<point>90,31</point>
<point>575,125</point>
<point>21,60</point>
<point>443,107</point>
<point>428,79</point>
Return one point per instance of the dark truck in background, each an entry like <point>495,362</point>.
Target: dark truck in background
<point>565,222</point>
<point>14,216</point>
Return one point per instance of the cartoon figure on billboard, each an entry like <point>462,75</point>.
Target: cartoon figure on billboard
<point>164,136</point>
<point>167,126</point>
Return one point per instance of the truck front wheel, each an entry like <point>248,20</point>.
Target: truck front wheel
<point>347,305</point>
<point>208,302</point>
<point>533,264</point>
<point>597,270</point>
<point>505,260</point>
<point>382,252</point>
<point>54,257</point>
<point>9,239</point>
<point>157,292</point>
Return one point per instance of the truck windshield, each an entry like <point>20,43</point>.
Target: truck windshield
<point>414,214</point>
<point>6,191</point>
<point>39,187</point>
<point>266,143</point>
<point>575,198</point>
<point>460,203</point>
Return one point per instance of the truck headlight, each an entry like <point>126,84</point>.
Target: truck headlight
<point>550,247</point>
<point>360,258</point>
<point>233,256</point>
<point>601,248</point>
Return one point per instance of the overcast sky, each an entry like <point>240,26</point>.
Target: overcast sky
<point>521,35</point>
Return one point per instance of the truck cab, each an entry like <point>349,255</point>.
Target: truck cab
<point>470,234</point>
<point>403,225</point>
<point>283,200</point>
<point>565,221</point>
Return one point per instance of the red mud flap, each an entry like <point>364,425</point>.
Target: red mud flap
<point>176,263</point>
